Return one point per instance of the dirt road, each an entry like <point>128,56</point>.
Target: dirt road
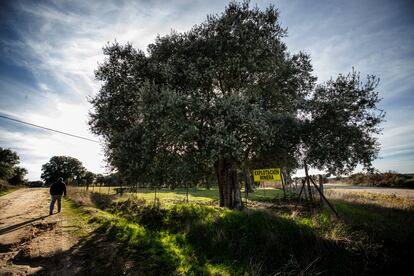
<point>31,241</point>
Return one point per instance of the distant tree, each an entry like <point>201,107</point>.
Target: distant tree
<point>342,122</point>
<point>18,176</point>
<point>100,179</point>
<point>8,160</point>
<point>88,177</point>
<point>62,166</point>
<point>9,171</point>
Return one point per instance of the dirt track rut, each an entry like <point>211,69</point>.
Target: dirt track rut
<point>31,241</point>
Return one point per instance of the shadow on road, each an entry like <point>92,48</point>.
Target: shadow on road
<point>95,255</point>
<point>17,226</point>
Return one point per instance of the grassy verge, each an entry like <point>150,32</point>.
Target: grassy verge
<point>77,219</point>
<point>9,190</point>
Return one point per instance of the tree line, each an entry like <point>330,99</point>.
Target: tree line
<point>74,173</point>
<point>69,168</point>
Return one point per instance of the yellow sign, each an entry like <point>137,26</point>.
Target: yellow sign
<point>266,175</point>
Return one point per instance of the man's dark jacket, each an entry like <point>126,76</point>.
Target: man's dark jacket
<point>58,188</point>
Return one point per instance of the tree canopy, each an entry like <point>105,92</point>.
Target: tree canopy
<point>343,121</point>
<point>66,167</point>
<point>224,96</point>
<point>18,176</point>
<point>9,170</point>
<point>8,160</point>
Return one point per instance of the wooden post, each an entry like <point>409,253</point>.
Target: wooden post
<point>302,189</point>
<point>282,178</point>
<point>326,200</point>
<point>320,180</point>
<point>186,185</point>
<point>305,193</point>
<point>245,186</point>
<point>155,194</point>
<point>308,183</point>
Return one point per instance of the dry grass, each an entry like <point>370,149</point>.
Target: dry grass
<point>90,199</point>
<point>387,201</point>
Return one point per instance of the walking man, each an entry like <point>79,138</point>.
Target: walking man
<point>56,190</point>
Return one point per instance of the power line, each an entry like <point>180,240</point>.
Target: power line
<point>46,128</point>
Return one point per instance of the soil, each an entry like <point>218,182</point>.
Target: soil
<point>31,241</point>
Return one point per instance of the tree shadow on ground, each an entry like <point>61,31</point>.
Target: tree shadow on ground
<point>94,255</point>
<point>385,233</point>
<point>19,225</point>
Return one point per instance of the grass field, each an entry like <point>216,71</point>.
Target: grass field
<point>198,195</point>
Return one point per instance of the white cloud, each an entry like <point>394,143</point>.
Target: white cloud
<point>62,49</point>
<point>62,45</point>
<point>36,149</point>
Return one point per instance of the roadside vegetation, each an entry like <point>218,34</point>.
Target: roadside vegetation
<point>11,175</point>
<point>6,188</point>
<point>159,238</point>
<point>388,179</point>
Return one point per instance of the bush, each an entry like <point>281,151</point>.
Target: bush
<point>5,187</point>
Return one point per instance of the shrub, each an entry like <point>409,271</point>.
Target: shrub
<point>386,179</point>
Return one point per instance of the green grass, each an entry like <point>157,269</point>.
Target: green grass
<point>76,219</point>
<point>198,239</point>
<point>199,195</point>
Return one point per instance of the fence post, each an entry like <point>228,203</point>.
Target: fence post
<point>320,180</point>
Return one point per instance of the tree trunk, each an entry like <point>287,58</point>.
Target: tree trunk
<point>248,180</point>
<point>206,182</point>
<point>229,188</point>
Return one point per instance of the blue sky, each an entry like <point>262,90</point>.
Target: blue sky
<point>50,49</point>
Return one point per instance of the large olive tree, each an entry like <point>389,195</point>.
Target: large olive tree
<point>224,96</point>
<point>217,96</point>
